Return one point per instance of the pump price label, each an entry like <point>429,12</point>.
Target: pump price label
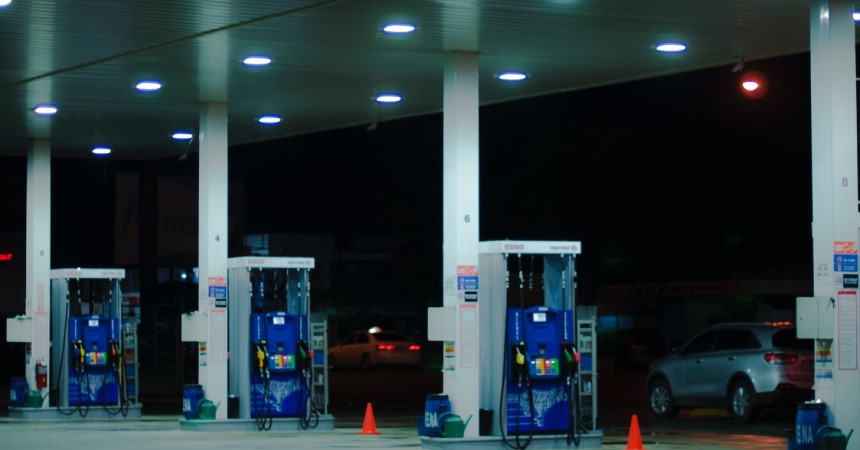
<point>545,367</point>
<point>97,358</point>
<point>282,362</point>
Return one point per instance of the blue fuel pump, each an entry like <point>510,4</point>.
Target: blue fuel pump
<point>538,389</point>
<point>271,366</point>
<point>280,353</point>
<point>93,369</point>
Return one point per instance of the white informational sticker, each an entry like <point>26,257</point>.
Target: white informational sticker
<point>202,355</point>
<point>449,358</point>
<point>41,335</point>
<point>846,324</point>
<point>468,335</point>
<point>823,363</point>
<point>217,335</point>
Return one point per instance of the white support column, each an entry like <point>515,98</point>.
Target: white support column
<point>38,257</point>
<point>461,378</point>
<point>212,248</point>
<point>834,198</point>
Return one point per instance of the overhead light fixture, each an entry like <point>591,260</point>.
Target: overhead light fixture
<point>182,135</point>
<point>257,60</point>
<point>388,98</point>
<point>754,84</point>
<point>750,85</point>
<point>45,110</point>
<point>512,76</point>
<point>5,3</point>
<point>856,16</point>
<point>398,28</point>
<point>269,119</point>
<point>148,85</point>
<point>671,47</point>
<point>101,150</point>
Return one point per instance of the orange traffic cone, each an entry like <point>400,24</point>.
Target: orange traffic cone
<point>634,440</point>
<point>369,422</point>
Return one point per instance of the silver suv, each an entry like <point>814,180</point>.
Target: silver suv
<point>743,366</point>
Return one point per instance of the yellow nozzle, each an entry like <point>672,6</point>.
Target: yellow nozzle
<point>260,356</point>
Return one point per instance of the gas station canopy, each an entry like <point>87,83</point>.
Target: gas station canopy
<point>331,58</point>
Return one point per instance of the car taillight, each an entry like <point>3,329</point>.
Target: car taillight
<point>386,347</point>
<point>414,347</point>
<point>780,358</point>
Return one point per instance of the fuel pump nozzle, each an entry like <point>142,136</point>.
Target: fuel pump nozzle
<point>520,369</point>
<point>262,356</point>
<point>571,360</point>
<point>304,355</point>
<point>79,346</point>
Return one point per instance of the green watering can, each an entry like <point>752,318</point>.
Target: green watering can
<point>206,410</point>
<point>832,439</point>
<point>35,399</point>
<point>452,425</point>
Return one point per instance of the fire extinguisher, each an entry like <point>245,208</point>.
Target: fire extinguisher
<point>41,374</point>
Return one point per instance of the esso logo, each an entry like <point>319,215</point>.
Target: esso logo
<point>515,246</point>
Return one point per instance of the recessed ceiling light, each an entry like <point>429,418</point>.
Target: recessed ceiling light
<point>512,76</point>
<point>856,16</point>
<point>671,47</point>
<point>101,150</point>
<point>398,28</point>
<point>257,60</point>
<point>182,135</point>
<point>269,119</point>
<point>148,85</point>
<point>45,110</point>
<point>5,3</point>
<point>388,98</point>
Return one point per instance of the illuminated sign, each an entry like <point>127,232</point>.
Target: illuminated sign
<point>5,257</point>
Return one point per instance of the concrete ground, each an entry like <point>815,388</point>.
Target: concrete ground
<point>163,432</point>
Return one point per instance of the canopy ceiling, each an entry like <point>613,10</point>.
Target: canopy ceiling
<point>330,59</point>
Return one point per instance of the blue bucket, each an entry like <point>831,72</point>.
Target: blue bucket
<point>192,395</point>
<point>419,421</point>
<point>811,416</point>
<point>18,391</point>
<point>435,406</point>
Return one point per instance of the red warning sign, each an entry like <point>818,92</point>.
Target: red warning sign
<point>844,248</point>
<point>467,271</point>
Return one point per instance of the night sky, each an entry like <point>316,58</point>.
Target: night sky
<point>669,179</point>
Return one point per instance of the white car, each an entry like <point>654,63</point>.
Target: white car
<point>742,366</point>
<point>369,349</point>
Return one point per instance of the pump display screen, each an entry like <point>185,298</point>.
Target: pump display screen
<point>278,320</point>
<point>539,317</point>
<point>93,322</point>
